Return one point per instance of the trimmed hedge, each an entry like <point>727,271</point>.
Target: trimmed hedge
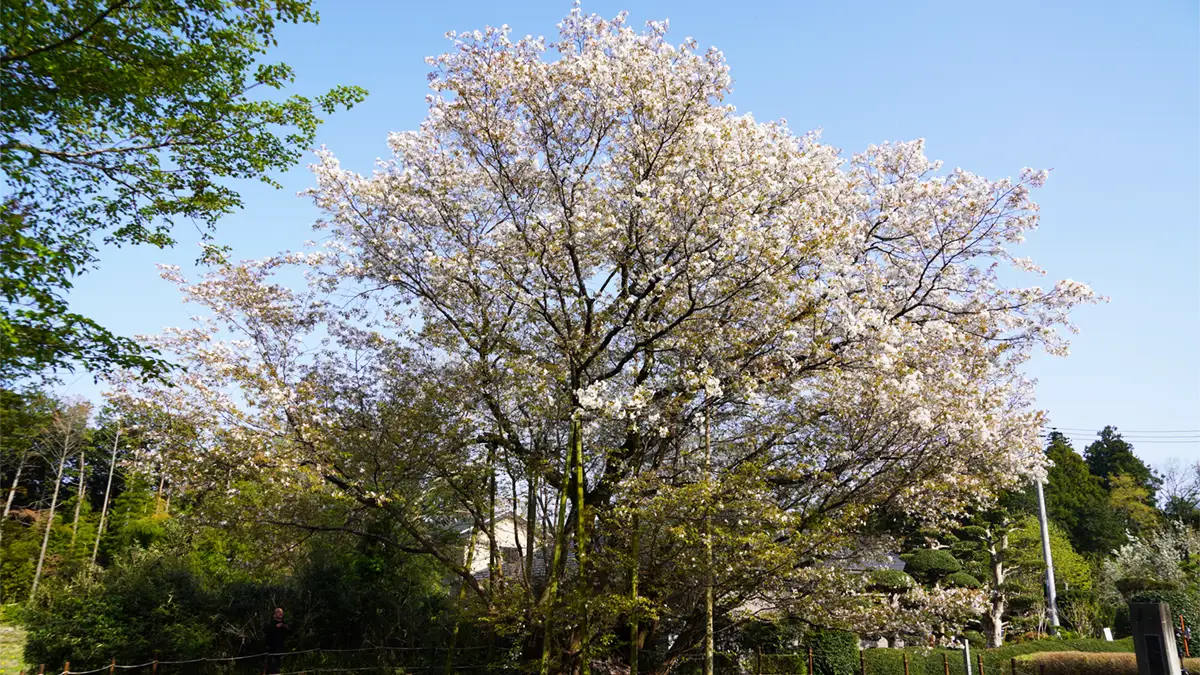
<point>1073,663</point>
<point>835,652</point>
<point>963,580</point>
<point>930,564</point>
<point>924,661</point>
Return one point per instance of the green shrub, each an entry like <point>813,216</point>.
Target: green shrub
<point>1132,585</point>
<point>962,580</point>
<point>930,565</point>
<point>185,598</point>
<point>975,638</point>
<point>10,615</point>
<point>890,581</point>
<point>792,664</point>
<point>835,652</point>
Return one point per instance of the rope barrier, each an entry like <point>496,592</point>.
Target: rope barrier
<point>226,659</point>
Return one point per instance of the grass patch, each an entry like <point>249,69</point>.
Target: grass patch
<point>12,650</point>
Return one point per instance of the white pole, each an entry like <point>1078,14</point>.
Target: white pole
<point>1051,595</point>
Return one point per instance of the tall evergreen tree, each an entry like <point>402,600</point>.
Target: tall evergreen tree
<point>1111,455</point>
<point>1076,499</point>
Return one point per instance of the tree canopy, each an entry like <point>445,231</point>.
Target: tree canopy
<point>118,120</point>
<point>1110,456</point>
<point>1076,499</point>
<point>588,291</point>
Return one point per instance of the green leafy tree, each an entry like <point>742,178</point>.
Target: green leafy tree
<point>1076,500</point>
<point>1111,456</point>
<point>1071,569</point>
<point>120,118</point>
<point>985,544</point>
<point>1132,503</point>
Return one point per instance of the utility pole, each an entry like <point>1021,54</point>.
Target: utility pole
<point>1051,594</point>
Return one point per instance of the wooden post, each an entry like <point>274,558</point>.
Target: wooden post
<point>1013,663</point>
<point>154,667</point>
<point>1183,634</point>
<point>905,655</point>
<point>862,662</point>
<point>946,663</point>
<point>41,669</point>
<point>810,665</point>
<point>112,666</point>
<point>66,666</point>
<point>979,659</point>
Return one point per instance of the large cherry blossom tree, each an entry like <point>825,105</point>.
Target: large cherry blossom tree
<point>675,341</point>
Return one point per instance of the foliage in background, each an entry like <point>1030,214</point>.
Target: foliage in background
<point>119,119</point>
<point>192,596</point>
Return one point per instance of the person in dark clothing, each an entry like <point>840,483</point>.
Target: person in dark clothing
<point>276,631</point>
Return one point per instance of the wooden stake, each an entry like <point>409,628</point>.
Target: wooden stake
<point>810,665</point>
<point>905,655</point>
<point>41,669</point>
<point>1013,663</point>
<point>154,667</point>
<point>112,666</point>
<point>862,662</point>
<point>979,660</point>
<point>946,663</point>
<point>1183,634</point>
<point>66,666</point>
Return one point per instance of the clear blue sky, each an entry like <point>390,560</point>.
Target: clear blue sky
<point>1105,93</point>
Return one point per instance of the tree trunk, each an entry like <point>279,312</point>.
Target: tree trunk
<point>12,492</point>
<point>79,494</point>
<point>708,549</point>
<point>493,553</point>
<point>37,575</point>
<point>560,536</point>
<point>112,465</point>
<point>581,545</point>
<point>633,596</point>
<point>462,595</point>
<point>530,528</point>
<point>998,551</point>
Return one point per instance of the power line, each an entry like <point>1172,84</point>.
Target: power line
<point>1166,437</point>
<point>1139,441</point>
<point>1132,431</point>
